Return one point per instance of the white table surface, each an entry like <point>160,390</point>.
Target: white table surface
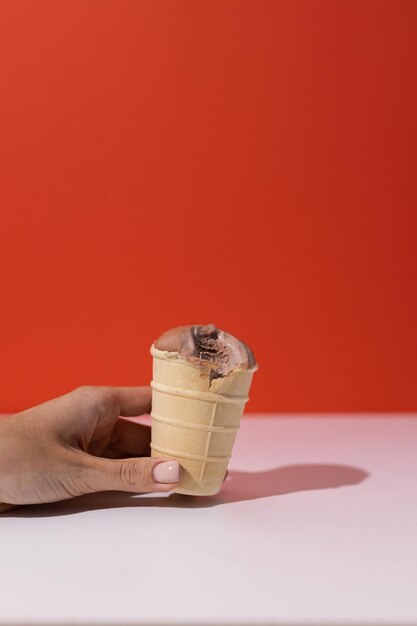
<point>317,524</point>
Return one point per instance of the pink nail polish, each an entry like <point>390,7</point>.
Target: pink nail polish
<point>166,472</point>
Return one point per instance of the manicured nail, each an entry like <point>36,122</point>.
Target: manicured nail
<point>166,472</point>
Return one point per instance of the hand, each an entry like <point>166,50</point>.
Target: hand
<point>78,444</point>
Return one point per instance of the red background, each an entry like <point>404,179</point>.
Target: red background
<point>247,163</point>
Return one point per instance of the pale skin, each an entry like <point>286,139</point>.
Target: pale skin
<point>78,444</point>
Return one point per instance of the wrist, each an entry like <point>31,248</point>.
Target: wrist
<point>3,466</point>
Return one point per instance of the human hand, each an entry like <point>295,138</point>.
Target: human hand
<point>77,444</point>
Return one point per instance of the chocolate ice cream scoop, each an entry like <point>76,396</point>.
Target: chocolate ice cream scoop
<point>208,346</point>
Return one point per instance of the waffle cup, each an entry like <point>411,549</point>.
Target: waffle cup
<point>195,420</point>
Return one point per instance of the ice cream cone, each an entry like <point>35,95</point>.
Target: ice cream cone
<point>195,419</point>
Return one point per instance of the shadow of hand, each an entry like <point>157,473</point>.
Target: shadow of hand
<point>289,479</point>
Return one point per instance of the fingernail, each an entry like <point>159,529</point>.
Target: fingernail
<point>166,472</point>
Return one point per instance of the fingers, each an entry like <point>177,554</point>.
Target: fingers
<point>130,438</point>
<point>131,475</point>
<point>133,400</point>
<point>125,401</point>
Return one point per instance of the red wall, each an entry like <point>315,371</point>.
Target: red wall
<point>250,163</point>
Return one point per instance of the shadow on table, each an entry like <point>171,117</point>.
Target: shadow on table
<point>239,486</point>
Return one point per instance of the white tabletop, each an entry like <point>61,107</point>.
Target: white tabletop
<point>317,524</point>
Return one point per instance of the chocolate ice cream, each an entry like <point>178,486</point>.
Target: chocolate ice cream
<point>208,346</point>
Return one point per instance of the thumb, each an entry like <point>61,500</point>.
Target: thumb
<point>138,475</point>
